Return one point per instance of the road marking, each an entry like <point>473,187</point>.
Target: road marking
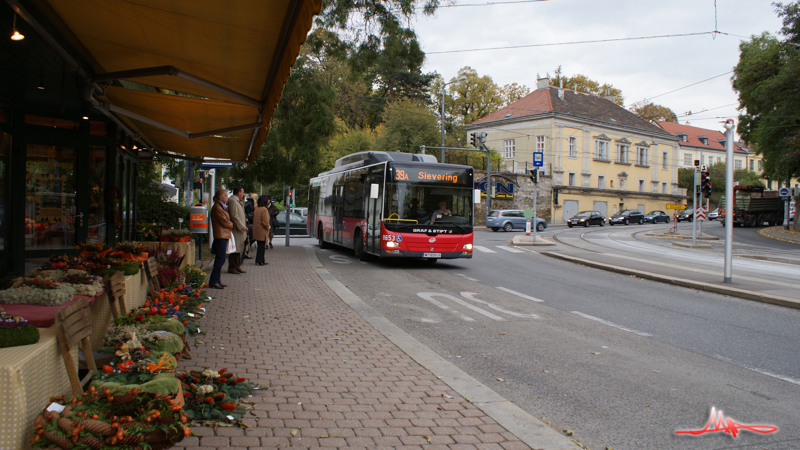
<point>509,249</point>
<point>429,297</point>
<point>339,259</point>
<point>519,294</point>
<point>483,249</point>
<point>762,372</point>
<point>611,324</point>
<point>471,296</point>
<point>470,279</point>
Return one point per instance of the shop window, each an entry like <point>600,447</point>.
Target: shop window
<point>51,122</point>
<point>5,149</point>
<point>95,216</point>
<point>49,198</point>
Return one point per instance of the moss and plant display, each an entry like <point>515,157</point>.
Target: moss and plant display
<point>147,231</point>
<point>194,276</point>
<point>176,235</point>
<point>214,395</point>
<point>93,249</point>
<point>169,267</point>
<point>15,331</point>
<point>84,284</point>
<point>37,291</point>
<point>136,342</point>
<point>108,266</point>
<point>98,418</point>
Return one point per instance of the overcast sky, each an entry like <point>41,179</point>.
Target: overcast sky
<point>640,68</point>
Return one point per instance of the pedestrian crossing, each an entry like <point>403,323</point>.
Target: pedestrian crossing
<point>483,249</point>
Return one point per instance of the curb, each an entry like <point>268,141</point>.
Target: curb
<point>699,285</point>
<point>771,259</point>
<point>669,236</point>
<point>767,235</point>
<point>521,241</point>
<point>508,415</point>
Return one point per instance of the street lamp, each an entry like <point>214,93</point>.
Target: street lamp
<point>441,152</point>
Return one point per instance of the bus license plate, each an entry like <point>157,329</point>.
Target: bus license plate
<point>431,255</point>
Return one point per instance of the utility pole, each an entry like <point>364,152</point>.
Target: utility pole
<point>729,200</point>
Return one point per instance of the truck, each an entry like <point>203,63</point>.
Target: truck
<point>751,208</point>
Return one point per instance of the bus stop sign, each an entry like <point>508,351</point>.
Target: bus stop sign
<point>538,159</point>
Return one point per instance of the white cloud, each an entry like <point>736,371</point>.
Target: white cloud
<point>641,68</point>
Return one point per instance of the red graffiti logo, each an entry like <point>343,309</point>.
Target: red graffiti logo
<point>717,422</point>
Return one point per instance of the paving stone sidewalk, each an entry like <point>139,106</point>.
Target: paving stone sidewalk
<point>330,378</point>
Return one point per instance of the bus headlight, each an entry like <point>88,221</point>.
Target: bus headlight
<point>392,244</point>
<point>468,247</point>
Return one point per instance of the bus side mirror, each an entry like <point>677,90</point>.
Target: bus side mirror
<point>373,191</point>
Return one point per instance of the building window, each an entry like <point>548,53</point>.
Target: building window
<point>601,150</point>
<point>719,159</point>
<point>665,160</point>
<point>641,156</point>
<point>687,159</point>
<point>641,185</point>
<point>752,165</point>
<point>509,149</point>
<point>622,185</point>
<point>571,179</point>
<point>573,147</point>
<point>760,165</point>
<point>622,153</point>
<point>737,164</point>
<point>540,144</point>
<point>601,182</point>
<point>663,188</point>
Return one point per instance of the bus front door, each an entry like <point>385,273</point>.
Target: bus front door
<point>338,212</point>
<point>373,210</point>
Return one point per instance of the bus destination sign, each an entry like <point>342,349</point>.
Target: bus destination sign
<point>431,175</point>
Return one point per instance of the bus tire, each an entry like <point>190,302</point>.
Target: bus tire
<point>321,238</point>
<point>358,247</point>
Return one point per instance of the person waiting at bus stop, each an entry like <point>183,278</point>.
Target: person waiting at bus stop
<point>222,225</point>
<point>261,228</point>
<point>441,212</point>
<point>236,212</point>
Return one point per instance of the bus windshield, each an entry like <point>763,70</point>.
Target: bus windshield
<point>411,205</point>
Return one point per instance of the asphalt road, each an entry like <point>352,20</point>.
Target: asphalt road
<point>619,361</point>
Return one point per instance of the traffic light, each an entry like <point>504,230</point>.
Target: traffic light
<point>534,175</point>
<point>705,184</point>
<point>472,139</point>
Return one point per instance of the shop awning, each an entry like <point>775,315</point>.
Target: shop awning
<point>202,77</point>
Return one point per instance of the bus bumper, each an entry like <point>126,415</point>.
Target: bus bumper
<point>406,254</point>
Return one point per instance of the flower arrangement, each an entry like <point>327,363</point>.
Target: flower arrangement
<point>84,284</point>
<point>130,247</point>
<point>213,395</point>
<point>176,236</point>
<point>57,274</point>
<point>15,330</point>
<point>100,418</point>
<point>194,276</point>
<point>37,291</point>
<point>93,249</point>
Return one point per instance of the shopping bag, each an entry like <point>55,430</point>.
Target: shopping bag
<point>231,245</point>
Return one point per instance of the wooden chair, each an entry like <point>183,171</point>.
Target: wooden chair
<point>115,289</point>
<point>151,272</point>
<point>74,325</point>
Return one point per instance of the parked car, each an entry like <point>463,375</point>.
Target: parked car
<point>586,218</point>
<point>657,216</point>
<point>509,219</point>
<point>297,224</point>
<point>303,212</point>
<point>686,214</point>
<point>713,215</point>
<point>626,217</point>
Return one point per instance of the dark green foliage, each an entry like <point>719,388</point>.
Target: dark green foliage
<point>769,92</point>
<point>24,335</point>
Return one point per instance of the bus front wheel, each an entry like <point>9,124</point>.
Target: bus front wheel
<point>320,237</point>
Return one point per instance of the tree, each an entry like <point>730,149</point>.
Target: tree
<point>346,141</point>
<point>513,92</point>
<point>582,83</point>
<point>407,125</point>
<point>651,111</point>
<point>766,81</point>
<point>747,177</point>
<point>475,98</point>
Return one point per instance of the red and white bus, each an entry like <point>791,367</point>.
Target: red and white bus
<point>394,205</point>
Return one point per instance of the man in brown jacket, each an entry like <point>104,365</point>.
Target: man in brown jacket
<point>236,211</point>
<point>221,223</point>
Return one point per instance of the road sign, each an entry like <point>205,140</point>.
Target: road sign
<point>700,213</point>
<point>538,159</point>
<point>784,192</point>
<point>676,206</point>
<point>528,213</point>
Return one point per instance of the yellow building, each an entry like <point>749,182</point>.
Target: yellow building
<point>601,156</point>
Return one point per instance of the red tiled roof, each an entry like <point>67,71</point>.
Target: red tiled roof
<point>693,137</point>
<point>573,104</point>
